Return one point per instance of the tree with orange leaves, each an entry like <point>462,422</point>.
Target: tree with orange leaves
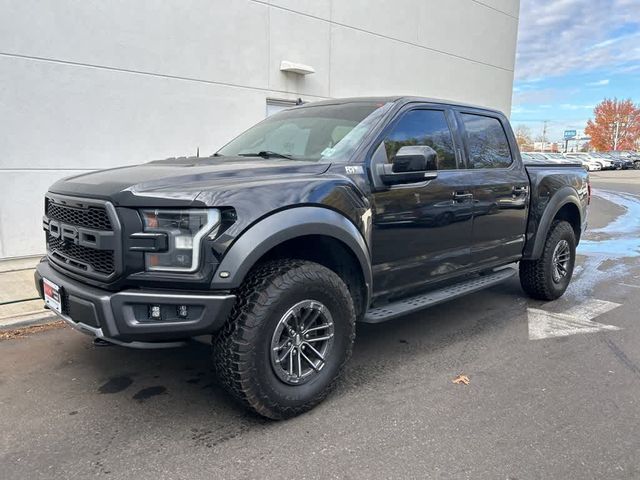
<point>616,125</point>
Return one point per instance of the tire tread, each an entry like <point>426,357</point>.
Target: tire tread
<point>534,277</point>
<point>233,346</point>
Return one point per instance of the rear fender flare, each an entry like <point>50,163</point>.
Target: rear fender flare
<point>561,198</point>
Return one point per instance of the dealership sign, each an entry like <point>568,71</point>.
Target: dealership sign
<point>569,134</point>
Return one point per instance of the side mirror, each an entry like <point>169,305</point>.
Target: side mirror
<point>411,164</point>
<point>415,159</point>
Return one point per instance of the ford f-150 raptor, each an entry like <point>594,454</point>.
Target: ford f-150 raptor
<point>318,217</point>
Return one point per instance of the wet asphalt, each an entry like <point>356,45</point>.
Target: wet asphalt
<point>560,408</point>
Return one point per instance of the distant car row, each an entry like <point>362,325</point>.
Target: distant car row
<point>590,161</point>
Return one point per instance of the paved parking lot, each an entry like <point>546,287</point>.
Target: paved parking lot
<point>564,404</point>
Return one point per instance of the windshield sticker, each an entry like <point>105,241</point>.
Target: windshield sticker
<point>327,152</point>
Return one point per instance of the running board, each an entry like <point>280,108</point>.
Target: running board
<point>413,304</point>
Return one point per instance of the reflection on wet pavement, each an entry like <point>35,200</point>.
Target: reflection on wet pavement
<point>608,250</point>
<point>621,238</point>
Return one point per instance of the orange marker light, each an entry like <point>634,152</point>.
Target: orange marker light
<point>151,219</point>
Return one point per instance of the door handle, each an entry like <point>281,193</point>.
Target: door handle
<point>520,189</point>
<point>462,196</point>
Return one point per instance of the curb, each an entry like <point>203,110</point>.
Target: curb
<point>27,320</point>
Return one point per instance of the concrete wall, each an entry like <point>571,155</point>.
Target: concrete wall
<point>87,84</point>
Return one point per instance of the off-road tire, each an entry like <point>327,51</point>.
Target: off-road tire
<point>536,276</point>
<point>241,350</point>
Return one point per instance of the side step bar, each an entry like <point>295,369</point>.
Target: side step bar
<point>413,304</point>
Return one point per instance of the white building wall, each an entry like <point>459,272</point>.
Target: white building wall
<point>87,84</point>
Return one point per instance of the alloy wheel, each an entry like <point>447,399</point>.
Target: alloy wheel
<point>560,261</point>
<point>302,342</point>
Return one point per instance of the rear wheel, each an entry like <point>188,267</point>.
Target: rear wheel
<point>287,338</point>
<point>548,277</point>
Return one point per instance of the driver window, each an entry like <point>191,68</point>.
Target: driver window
<point>423,127</point>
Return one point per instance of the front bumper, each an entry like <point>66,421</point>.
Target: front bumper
<point>122,317</point>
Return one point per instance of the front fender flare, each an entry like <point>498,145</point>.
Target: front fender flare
<point>286,225</point>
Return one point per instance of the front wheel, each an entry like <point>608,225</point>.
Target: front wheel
<point>287,339</point>
<point>548,277</point>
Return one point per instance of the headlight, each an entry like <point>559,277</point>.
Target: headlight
<point>185,230</point>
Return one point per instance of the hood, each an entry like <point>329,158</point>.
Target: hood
<point>181,180</point>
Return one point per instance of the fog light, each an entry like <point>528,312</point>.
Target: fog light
<point>154,312</point>
<point>183,311</point>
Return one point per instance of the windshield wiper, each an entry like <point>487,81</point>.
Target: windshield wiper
<point>266,154</point>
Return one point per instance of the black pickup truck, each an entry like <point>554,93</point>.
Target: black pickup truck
<point>321,216</point>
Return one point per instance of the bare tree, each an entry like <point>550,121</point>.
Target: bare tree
<point>523,137</point>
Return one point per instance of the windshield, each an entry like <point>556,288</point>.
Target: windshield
<point>311,133</point>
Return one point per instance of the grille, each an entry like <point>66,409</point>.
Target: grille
<point>101,261</point>
<point>92,217</point>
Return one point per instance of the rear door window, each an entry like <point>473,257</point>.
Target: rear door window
<point>487,142</point>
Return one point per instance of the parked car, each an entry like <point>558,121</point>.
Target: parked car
<point>588,163</point>
<point>605,162</point>
<point>626,158</point>
<point>621,153</point>
<point>558,157</point>
<point>619,163</point>
<point>533,157</point>
<point>548,158</point>
<point>319,216</point>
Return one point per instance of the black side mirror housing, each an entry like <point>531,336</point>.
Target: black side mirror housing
<point>415,159</point>
<point>411,164</point>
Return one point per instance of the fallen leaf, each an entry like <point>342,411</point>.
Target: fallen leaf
<point>461,380</point>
